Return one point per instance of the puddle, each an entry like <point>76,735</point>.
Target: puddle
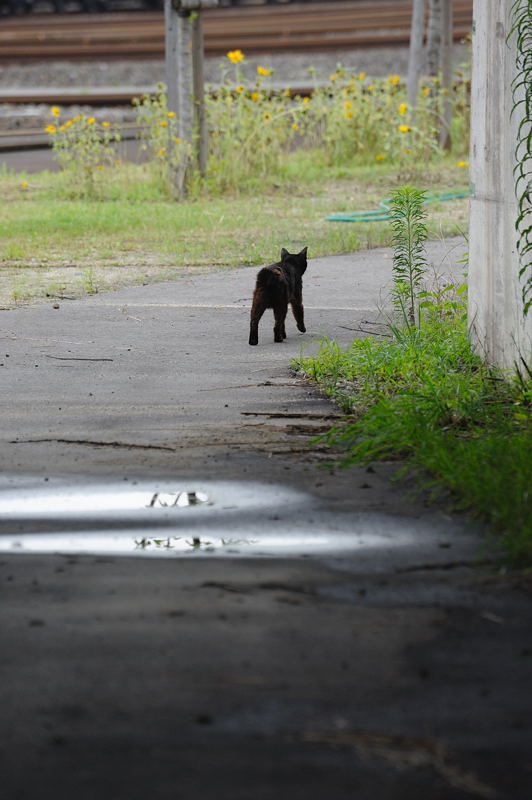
<point>111,544</point>
<point>228,519</point>
<point>143,519</point>
<point>93,500</point>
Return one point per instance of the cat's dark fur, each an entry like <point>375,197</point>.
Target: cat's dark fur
<point>278,285</point>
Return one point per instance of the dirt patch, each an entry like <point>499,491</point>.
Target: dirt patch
<point>26,284</point>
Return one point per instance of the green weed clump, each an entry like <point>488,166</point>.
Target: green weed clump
<point>84,147</point>
<point>463,427</point>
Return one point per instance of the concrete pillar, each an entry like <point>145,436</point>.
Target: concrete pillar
<point>500,332</point>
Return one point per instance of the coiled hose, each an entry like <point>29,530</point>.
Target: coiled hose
<point>385,213</point>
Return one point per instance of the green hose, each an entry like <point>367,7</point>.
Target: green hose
<point>385,212</point>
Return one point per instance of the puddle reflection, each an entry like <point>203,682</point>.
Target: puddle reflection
<point>167,546</point>
<point>212,518</point>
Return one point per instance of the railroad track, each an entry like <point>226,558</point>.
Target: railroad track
<point>254,29</point>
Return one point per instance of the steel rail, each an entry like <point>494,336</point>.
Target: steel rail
<point>253,29</point>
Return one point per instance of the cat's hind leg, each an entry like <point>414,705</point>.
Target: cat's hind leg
<point>257,310</point>
<point>298,312</point>
<point>279,333</point>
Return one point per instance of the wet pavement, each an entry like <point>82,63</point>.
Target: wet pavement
<point>192,607</point>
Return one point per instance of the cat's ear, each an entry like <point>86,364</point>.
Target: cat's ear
<point>284,254</point>
<point>303,252</point>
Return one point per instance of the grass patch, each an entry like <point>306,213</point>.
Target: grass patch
<point>462,427</point>
<point>133,234</point>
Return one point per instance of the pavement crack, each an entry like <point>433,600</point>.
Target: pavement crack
<point>291,415</point>
<point>76,358</point>
<point>445,565</point>
<point>272,586</point>
<point>246,386</point>
<point>94,443</point>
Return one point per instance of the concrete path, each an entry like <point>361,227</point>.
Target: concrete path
<point>303,633</point>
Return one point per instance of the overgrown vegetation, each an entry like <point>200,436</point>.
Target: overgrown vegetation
<point>421,395</point>
<point>254,131</point>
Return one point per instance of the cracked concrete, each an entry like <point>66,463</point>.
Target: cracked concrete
<point>381,654</point>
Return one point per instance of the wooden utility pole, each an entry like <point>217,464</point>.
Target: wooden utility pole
<point>184,78</point>
<point>415,55</point>
<point>440,59</point>
<point>446,72</point>
<point>434,37</point>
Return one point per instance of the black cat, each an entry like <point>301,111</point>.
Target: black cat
<point>277,285</point>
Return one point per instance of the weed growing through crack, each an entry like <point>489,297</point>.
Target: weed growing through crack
<point>409,260</point>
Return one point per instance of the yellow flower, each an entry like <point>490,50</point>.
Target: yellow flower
<point>266,117</point>
<point>178,139</point>
<point>394,79</point>
<point>403,128</point>
<point>264,71</point>
<point>170,113</point>
<point>50,129</point>
<point>61,128</point>
<point>333,76</point>
<point>105,124</point>
<point>295,126</point>
<point>91,120</point>
<point>380,157</point>
<point>163,123</point>
<point>24,184</point>
<point>255,96</point>
<point>403,108</point>
<point>426,90</point>
<point>239,89</point>
<point>162,152</point>
<point>370,87</point>
<point>68,123</point>
<point>462,163</point>
<point>235,56</point>
<point>361,76</point>
<point>348,104</point>
<point>306,100</point>
<point>55,111</point>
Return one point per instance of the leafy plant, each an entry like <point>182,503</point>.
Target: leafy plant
<point>84,147</point>
<point>409,260</point>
